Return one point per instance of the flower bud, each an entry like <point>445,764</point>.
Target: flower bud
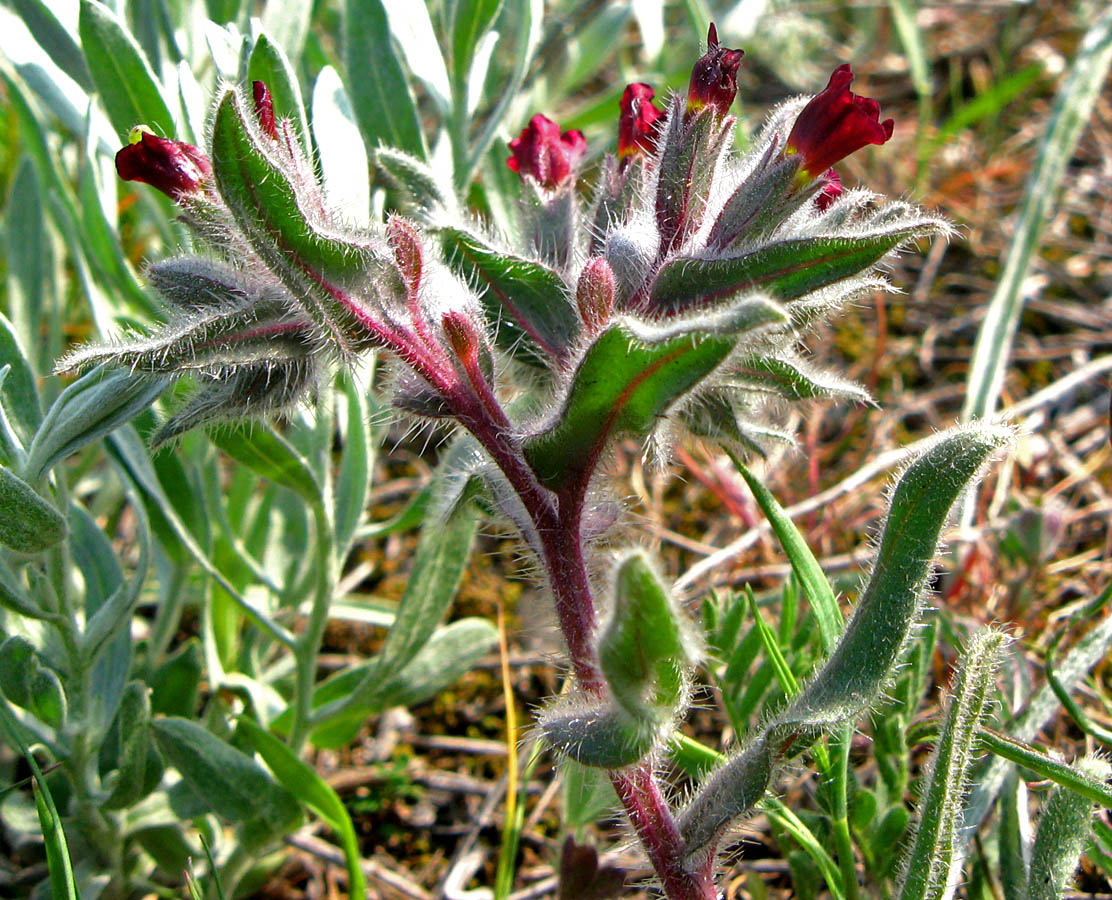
<point>637,129</point>
<point>714,77</point>
<point>595,294</point>
<point>264,107</point>
<point>835,124</point>
<point>174,167</point>
<point>462,335</point>
<point>544,154</point>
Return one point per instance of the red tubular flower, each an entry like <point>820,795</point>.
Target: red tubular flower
<point>544,154</point>
<point>637,131</point>
<point>264,107</point>
<point>174,167</point>
<point>714,77</point>
<point>835,124</point>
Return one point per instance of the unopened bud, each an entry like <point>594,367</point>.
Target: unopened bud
<point>408,254</point>
<point>264,107</point>
<point>595,294</point>
<point>714,77</point>
<point>462,336</point>
<point>544,154</point>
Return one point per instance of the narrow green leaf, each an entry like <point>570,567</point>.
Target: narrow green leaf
<point>526,301</point>
<point>856,671</point>
<point>469,21</point>
<point>785,270</point>
<point>269,455</point>
<point>1072,108</point>
<point>628,378</point>
<point>28,523</point>
<point>269,64</point>
<point>788,683</point>
<point>128,88</point>
<point>940,806</point>
<point>1029,757</point>
<point>231,782</point>
<point>133,721</point>
<point>63,884</point>
<point>412,29</point>
<point>312,790</point>
<point>93,406</point>
<point>987,104</point>
<point>288,22</point>
<point>30,262</point>
<point>18,392</point>
<point>384,105</point>
<point>356,461</point>
<point>55,39</point>
<point>343,158</point>
<point>807,569</point>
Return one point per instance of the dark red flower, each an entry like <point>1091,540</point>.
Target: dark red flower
<point>544,154</point>
<point>831,190</point>
<point>835,124</point>
<point>637,131</point>
<point>714,77</point>
<point>264,107</point>
<point>174,167</point>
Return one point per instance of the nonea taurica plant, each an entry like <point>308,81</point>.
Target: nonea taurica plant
<point>669,290</point>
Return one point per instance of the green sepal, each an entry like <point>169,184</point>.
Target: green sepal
<point>526,301</point>
<point>629,377</point>
<point>647,647</point>
<point>785,270</point>
<point>28,523</point>
<point>605,737</point>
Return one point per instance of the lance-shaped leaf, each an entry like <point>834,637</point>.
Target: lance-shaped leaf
<point>424,193</point>
<point>940,810</point>
<point>785,270</point>
<point>599,735</point>
<point>630,376</point>
<point>527,302</point>
<point>253,390</point>
<point>28,523</point>
<point>279,212</point>
<point>793,378</point>
<point>1062,835</point>
<point>854,675</point>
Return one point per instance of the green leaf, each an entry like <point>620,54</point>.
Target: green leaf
<point>628,378</point>
<point>785,270</point>
<point>384,105</point>
<point>30,261</point>
<point>18,392</point>
<point>312,790</point>
<point>526,301</point>
<point>1072,107</point>
<point>364,691</point>
<point>236,787</point>
<point>605,737</point>
<point>793,378</point>
<point>127,86</point>
<point>28,523</point>
<point>412,29</point>
<point>856,671</point>
<point>807,569</point>
<point>469,21</point>
<point>343,158</point>
<point>423,192</point>
<point>289,23</point>
<point>133,721</point>
<point>63,885</point>
<point>942,799</point>
<point>1023,754</point>
<point>55,39</point>
<point>269,64</point>
<point>176,683</point>
<point>268,454</point>
<point>87,410</point>
<point>356,461</point>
